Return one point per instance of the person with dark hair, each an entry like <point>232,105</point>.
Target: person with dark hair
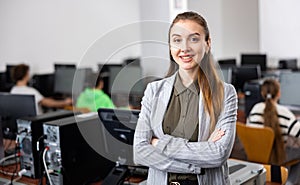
<point>94,98</point>
<point>284,123</point>
<point>186,127</point>
<point>21,76</point>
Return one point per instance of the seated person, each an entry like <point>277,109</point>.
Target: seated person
<point>20,75</point>
<point>284,124</point>
<point>94,98</point>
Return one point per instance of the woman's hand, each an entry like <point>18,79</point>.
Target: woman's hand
<point>154,141</point>
<point>217,135</point>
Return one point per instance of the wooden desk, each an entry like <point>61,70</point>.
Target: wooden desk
<point>25,180</point>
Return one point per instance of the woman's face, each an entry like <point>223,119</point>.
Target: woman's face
<point>187,44</point>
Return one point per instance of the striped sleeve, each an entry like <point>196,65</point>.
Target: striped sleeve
<point>293,125</point>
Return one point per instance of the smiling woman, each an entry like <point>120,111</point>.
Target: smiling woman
<point>186,127</point>
<point>188,45</point>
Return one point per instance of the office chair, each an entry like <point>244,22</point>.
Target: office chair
<point>275,174</point>
<point>257,142</point>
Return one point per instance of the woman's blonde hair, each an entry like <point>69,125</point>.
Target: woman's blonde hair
<point>269,92</point>
<point>208,79</point>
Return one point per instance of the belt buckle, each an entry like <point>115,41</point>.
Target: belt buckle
<point>174,183</point>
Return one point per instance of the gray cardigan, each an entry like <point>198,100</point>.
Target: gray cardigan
<point>177,155</point>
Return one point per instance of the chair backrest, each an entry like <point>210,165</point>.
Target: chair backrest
<point>278,174</point>
<point>257,142</point>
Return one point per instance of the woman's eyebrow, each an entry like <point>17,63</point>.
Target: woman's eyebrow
<point>197,34</point>
<point>175,35</point>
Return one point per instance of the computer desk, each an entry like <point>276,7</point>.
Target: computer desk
<point>240,172</point>
<point>22,181</point>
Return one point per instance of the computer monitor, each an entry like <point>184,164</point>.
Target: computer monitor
<point>288,64</point>
<point>132,61</point>
<point>63,80</point>
<point>8,72</point>
<point>255,59</point>
<point>2,82</point>
<point>289,88</point>
<point>104,71</point>
<point>120,126</point>
<point>44,83</point>
<point>226,73</point>
<point>125,80</point>
<point>56,66</point>
<point>12,107</point>
<point>83,78</point>
<point>8,81</point>
<point>224,63</point>
<point>246,73</point>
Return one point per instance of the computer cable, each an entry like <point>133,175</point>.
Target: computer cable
<point>15,155</point>
<point>45,165</point>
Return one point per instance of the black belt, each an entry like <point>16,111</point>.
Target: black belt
<point>184,182</point>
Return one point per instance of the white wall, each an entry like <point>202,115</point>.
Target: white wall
<point>279,29</point>
<point>43,32</point>
<point>155,15</point>
<point>212,12</point>
<point>233,25</point>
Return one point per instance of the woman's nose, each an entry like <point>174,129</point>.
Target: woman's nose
<point>184,47</point>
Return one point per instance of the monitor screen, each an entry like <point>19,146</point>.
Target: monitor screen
<point>9,69</point>
<point>83,78</point>
<point>120,126</point>
<point>226,74</point>
<point>103,70</point>
<point>125,80</point>
<point>224,63</point>
<point>246,73</point>
<point>44,83</point>
<point>63,80</point>
<point>56,66</point>
<point>255,59</point>
<point>288,64</point>
<point>289,88</point>
<point>12,107</point>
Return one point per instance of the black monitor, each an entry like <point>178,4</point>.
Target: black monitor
<point>255,59</point>
<point>289,88</point>
<point>56,66</point>
<point>246,73</point>
<point>125,80</point>
<point>224,63</point>
<point>120,126</point>
<point>132,61</point>
<point>9,69</point>
<point>12,107</point>
<point>44,83</point>
<point>104,71</point>
<point>288,64</point>
<point>9,83</point>
<point>63,80</point>
<point>2,82</point>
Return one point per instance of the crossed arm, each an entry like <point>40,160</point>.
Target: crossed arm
<point>173,154</point>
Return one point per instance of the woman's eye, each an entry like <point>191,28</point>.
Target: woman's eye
<point>194,39</point>
<point>176,40</point>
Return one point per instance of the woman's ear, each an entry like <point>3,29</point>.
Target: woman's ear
<point>208,45</point>
<point>278,94</point>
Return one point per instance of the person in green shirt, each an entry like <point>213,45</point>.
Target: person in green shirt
<point>94,98</point>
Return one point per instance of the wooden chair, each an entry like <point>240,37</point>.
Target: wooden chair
<point>257,142</point>
<point>276,174</point>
